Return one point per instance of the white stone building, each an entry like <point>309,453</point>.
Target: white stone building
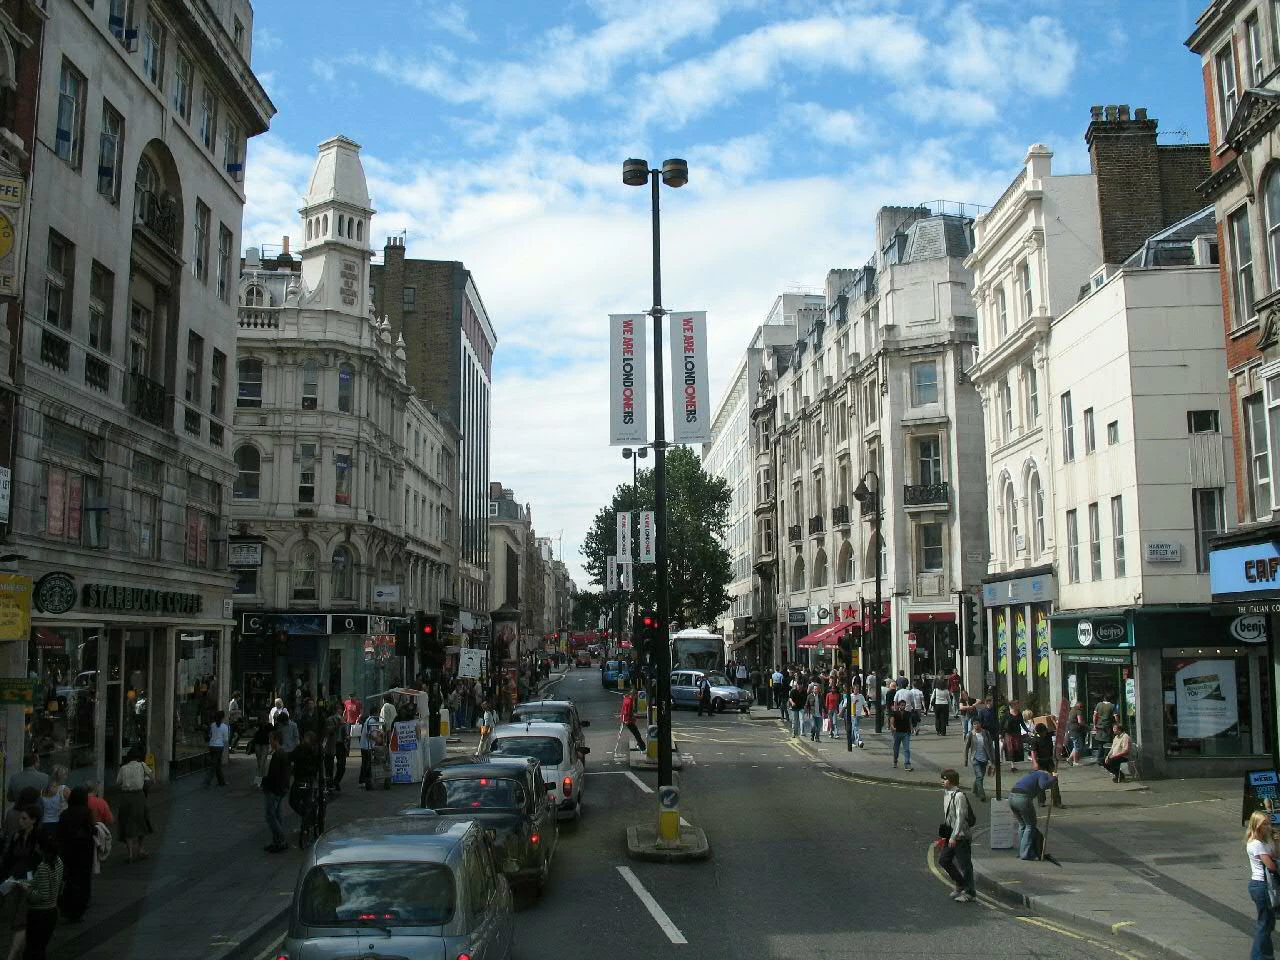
<point>122,465</point>
<point>322,464</point>
<point>876,386</point>
<point>430,507</point>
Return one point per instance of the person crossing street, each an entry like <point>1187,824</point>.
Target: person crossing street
<point>956,857</point>
<point>704,696</point>
<point>628,716</point>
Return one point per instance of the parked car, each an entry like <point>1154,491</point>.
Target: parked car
<point>509,797</point>
<point>725,695</point>
<point>553,746</point>
<point>418,886</point>
<point>582,659</point>
<point>555,711</point>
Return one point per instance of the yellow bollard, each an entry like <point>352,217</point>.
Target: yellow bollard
<point>668,816</point>
<point>651,745</point>
<point>444,721</point>
<point>642,702</point>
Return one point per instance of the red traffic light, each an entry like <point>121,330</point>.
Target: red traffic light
<point>428,629</point>
<point>650,622</point>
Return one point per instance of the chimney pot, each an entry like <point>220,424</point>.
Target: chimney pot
<point>1123,111</point>
<point>1095,113</point>
<point>1111,113</point>
<point>1140,113</point>
<point>284,244</point>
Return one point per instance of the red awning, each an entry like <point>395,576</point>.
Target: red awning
<point>825,635</point>
<point>947,616</point>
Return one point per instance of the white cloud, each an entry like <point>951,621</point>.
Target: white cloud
<point>842,128</point>
<point>1035,58</point>
<point>452,19</point>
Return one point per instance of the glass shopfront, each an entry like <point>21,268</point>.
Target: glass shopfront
<point>64,662</point>
<point>1090,678</point>
<point>128,680</point>
<point>1215,702</point>
<point>195,693</point>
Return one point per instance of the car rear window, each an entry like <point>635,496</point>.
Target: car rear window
<point>481,793</point>
<point>548,751</point>
<point>541,714</point>
<point>612,665</point>
<point>377,894</point>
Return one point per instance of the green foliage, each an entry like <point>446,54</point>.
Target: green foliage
<point>586,609</point>
<point>698,564</point>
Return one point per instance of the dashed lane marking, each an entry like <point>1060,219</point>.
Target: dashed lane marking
<point>655,910</point>
<point>644,787</point>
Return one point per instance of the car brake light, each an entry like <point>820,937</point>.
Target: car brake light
<point>464,956</point>
<point>568,786</point>
<point>534,838</point>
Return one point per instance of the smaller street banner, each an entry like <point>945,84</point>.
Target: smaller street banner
<point>648,537</point>
<point>628,385</point>
<point>690,391</point>
<point>624,536</point>
<point>628,578</point>
<point>611,574</point>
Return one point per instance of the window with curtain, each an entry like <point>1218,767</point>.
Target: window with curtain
<point>304,572</point>
<point>346,388</point>
<point>310,385</point>
<point>1271,210</point>
<point>248,473</point>
<point>344,574</point>
<point>1010,522</point>
<point>1036,498</point>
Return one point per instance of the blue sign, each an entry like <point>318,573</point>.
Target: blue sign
<point>668,798</point>
<point>1254,569</point>
<point>1039,589</point>
<point>1260,777</point>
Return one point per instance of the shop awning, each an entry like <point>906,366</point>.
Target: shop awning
<point>946,616</point>
<point>745,641</point>
<point>825,635</point>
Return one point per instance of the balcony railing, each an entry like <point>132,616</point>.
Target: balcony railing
<point>55,350</point>
<point>146,399</point>
<point>215,434</point>
<point>259,318</point>
<point>159,216</point>
<point>840,515</point>
<point>97,373</point>
<point>191,421</point>
<point>794,533</point>
<point>926,494</point>
<point>867,507</point>
<point>816,525</point>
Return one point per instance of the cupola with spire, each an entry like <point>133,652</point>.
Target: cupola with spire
<point>336,214</point>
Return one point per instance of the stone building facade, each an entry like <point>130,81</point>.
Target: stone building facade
<point>122,464</point>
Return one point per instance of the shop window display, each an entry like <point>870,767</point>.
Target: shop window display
<point>195,693</point>
<point>1208,704</point>
<point>64,663</point>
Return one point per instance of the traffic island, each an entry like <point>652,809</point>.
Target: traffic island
<point>637,760</point>
<point>642,844</point>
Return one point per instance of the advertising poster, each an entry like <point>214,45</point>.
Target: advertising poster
<point>1205,698</point>
<point>628,386</point>
<point>1002,643</point>
<point>1042,643</point>
<point>15,606</point>
<point>690,391</point>
<point>470,662</point>
<point>1020,644</point>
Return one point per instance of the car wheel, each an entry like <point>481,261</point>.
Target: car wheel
<point>743,709</point>
<point>717,705</point>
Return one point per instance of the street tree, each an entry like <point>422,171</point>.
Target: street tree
<point>698,564</point>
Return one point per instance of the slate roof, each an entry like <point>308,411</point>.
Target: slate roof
<point>1174,246</point>
<point>932,238</point>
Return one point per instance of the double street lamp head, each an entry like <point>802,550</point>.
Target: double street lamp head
<point>641,452</point>
<point>635,173</point>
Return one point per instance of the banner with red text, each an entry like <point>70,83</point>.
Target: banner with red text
<point>648,537</point>
<point>628,385</point>
<point>690,391</point>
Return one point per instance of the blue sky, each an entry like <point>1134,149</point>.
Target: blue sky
<point>494,131</point>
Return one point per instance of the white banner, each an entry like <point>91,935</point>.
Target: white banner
<point>690,392</point>
<point>611,574</point>
<point>648,537</point>
<point>627,574</point>
<point>628,385</point>
<point>624,536</point>
<point>1205,698</point>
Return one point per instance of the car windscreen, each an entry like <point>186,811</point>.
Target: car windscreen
<point>612,665</point>
<point>541,715</point>
<point>480,793</point>
<point>377,894</point>
<point>548,751</point>
<point>719,680</point>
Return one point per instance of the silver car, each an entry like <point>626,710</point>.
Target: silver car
<point>401,887</point>
<point>724,694</point>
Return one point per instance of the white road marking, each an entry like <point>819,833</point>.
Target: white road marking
<point>684,822</point>
<point>659,915</point>
<point>638,782</point>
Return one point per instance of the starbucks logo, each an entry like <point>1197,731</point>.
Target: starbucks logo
<point>54,593</point>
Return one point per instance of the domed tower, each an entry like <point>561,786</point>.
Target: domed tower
<point>336,214</point>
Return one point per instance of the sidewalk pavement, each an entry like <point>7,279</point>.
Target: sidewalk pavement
<point>1160,862</point>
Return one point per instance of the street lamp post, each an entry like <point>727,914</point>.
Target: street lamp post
<point>635,455</point>
<point>865,494</point>
<point>674,173</point>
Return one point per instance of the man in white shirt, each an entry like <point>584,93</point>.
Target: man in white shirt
<point>219,739</point>
<point>388,713</point>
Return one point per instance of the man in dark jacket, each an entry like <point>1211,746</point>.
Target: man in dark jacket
<point>704,696</point>
<point>275,786</point>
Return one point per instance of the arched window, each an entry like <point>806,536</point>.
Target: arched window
<point>249,392</point>
<point>344,574</point>
<point>844,563</point>
<point>359,229</point>
<point>248,473</point>
<point>254,296</point>
<point>346,388</point>
<point>797,575</point>
<point>146,191</point>
<point>1036,497</point>
<point>310,385</point>
<point>820,568</point>
<point>304,572</point>
<point>1002,314</point>
<point>1010,522</point>
<point>341,225</point>
<point>1271,210</point>
<point>324,225</point>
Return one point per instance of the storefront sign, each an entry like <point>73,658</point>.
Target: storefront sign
<point>350,623</point>
<point>1119,657</point>
<point>628,380</point>
<point>244,554</point>
<point>1021,590</point>
<point>386,593</point>
<point>18,691</point>
<point>1163,551</point>
<point>15,606</point>
<point>11,230</point>
<point>294,624</point>
<point>1250,569</point>
<point>5,486</point>
<point>1104,633</point>
<point>1261,792</point>
<point>1205,698</point>
<point>54,593</point>
<point>102,596</point>
<point>797,616</point>
<point>1249,629</point>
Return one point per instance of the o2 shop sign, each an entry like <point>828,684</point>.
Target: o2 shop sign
<point>1105,632</point>
<point>1249,629</point>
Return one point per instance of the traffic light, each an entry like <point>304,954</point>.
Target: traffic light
<point>647,634</point>
<point>430,640</point>
<point>972,625</point>
<point>404,638</point>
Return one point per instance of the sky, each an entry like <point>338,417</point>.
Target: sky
<point>494,131</point>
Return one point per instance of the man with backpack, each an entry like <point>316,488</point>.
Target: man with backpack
<point>956,837</point>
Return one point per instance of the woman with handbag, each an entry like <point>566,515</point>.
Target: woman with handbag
<point>1264,885</point>
<point>134,780</point>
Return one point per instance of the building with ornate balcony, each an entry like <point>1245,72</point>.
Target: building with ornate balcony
<point>875,386</point>
<point>744,464</point>
<point>122,467</point>
<point>344,510</point>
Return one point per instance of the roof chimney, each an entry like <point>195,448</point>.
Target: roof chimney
<point>284,245</point>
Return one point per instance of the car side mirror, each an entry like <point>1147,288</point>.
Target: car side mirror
<point>586,723</point>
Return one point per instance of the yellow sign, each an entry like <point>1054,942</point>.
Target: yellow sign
<point>15,606</point>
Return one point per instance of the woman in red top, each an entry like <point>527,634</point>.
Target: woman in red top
<point>832,705</point>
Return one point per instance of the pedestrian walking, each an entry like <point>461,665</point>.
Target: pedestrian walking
<point>337,745</point>
<point>1076,730</point>
<point>1022,801</point>
<point>857,710</point>
<point>219,744</point>
<point>370,734</point>
<point>276,708</point>
<point>813,712</point>
<point>1260,847</point>
<point>779,681</point>
<point>31,776</point>
<point>134,779</point>
<point>261,745</point>
<point>1043,758</point>
<point>915,698</point>
<point>488,721</point>
<point>628,717</point>
<point>18,861</point>
<point>1103,716</point>
<point>980,753</point>
<point>704,695</point>
<point>968,709</point>
<point>900,722</point>
<point>958,818</point>
<point>941,699</point>
<point>235,718</point>
<point>1011,732</point>
<point>53,798</point>
<point>76,838</point>
<point>289,733</point>
<point>832,704</point>
<point>42,896</point>
<point>275,786</point>
<point>352,710</point>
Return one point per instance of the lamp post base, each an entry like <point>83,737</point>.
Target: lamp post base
<point>643,843</point>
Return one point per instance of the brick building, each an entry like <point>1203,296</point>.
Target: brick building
<point>449,343</point>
